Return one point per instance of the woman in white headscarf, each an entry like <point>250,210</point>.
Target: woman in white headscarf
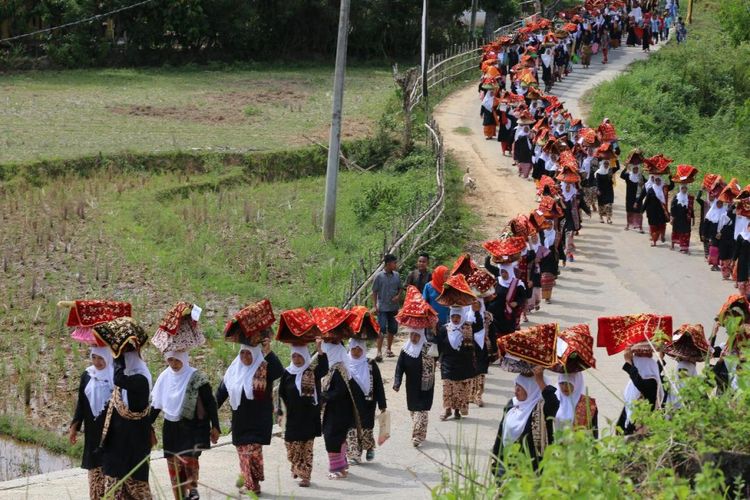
<point>742,256</point>
<point>654,202</point>
<point>576,408</point>
<point>419,368</point>
<point>191,420</point>
<point>455,342</point>
<point>684,370</point>
<point>645,383</point>
<point>548,64</point>
<point>489,114</point>
<point>533,407</point>
<point>574,203</point>
<point>248,384</point>
<point>549,264</point>
<point>605,194</point>
<point>369,393</point>
<point>338,413</point>
<point>94,392</point>
<point>299,389</point>
<point>683,216</point>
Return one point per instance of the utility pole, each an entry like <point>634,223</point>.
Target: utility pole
<point>424,61</point>
<point>473,24</point>
<point>334,144</point>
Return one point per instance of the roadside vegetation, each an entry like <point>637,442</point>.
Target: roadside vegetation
<point>689,101</point>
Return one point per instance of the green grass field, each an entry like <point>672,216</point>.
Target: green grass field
<point>66,114</point>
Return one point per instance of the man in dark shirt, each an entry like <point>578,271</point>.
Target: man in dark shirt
<point>386,294</point>
<point>420,276</point>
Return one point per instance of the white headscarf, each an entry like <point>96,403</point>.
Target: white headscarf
<point>568,195</point>
<point>101,383</point>
<point>169,390</point>
<point>647,368</point>
<point>635,177</point>
<point>359,368</point>
<point>676,383</point>
<point>718,215</point>
<point>682,198</point>
<point>239,377</point>
<point>455,335</point>
<point>603,168</point>
<point>297,371</point>
<point>336,353</point>
<point>470,316</point>
<point>547,58</point>
<point>510,269</point>
<point>740,226</point>
<point>586,166</point>
<point>488,100</point>
<point>134,365</point>
<point>549,237</point>
<point>567,410</point>
<point>745,233</point>
<point>410,348</point>
<point>516,418</point>
<point>657,189</point>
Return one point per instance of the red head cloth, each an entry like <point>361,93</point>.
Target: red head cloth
<point>577,346</point>
<point>89,313</point>
<point>296,326</point>
<point>416,312</point>
<point>535,345</point>
<point>438,278</point>
<point>617,333</point>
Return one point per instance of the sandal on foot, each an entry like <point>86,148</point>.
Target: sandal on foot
<point>337,475</point>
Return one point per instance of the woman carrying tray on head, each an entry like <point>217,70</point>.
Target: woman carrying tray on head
<point>339,412</point>
<point>369,393</point>
<point>457,354</point>
<point>94,391</point>
<point>416,363</point>
<point>299,389</point>
<point>527,419</point>
<point>184,395</point>
<point>127,426</point>
<point>248,384</point>
<point>191,420</point>
<point>576,409</point>
<point>645,383</point>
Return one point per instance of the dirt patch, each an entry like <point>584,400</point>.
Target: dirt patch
<point>221,107</point>
<point>352,128</point>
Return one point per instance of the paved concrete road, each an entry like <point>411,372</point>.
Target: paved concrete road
<point>615,273</point>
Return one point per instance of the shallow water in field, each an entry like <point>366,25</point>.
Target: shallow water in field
<point>20,459</point>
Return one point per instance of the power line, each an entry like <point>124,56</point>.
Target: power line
<point>74,23</point>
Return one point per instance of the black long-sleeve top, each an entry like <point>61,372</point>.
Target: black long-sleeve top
<point>191,435</point>
<point>682,217</point>
<point>128,442</point>
<point>458,364</point>
<point>632,201</point>
<point>550,407</point>
<point>605,190</point>
<point>656,212</point>
<point>742,256</point>
<point>302,413</point>
<point>92,427</point>
<point>252,421</point>
<point>648,387</point>
<point>365,406</point>
<point>338,415</point>
<point>416,398</point>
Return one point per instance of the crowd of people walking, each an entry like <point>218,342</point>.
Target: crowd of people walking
<point>457,319</point>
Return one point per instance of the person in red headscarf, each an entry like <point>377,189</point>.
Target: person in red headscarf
<point>433,289</point>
